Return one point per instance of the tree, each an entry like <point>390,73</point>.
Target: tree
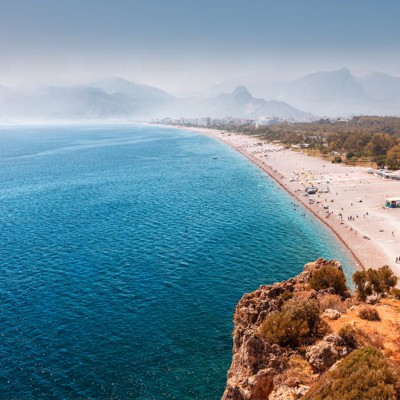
<point>381,143</point>
<point>388,279</point>
<point>393,157</point>
<point>374,281</point>
<point>360,280</point>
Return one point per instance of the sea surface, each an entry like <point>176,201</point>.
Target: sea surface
<point>123,251</point>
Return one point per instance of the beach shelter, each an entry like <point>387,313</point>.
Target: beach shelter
<point>392,202</point>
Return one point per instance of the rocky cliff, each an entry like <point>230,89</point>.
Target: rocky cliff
<point>262,370</point>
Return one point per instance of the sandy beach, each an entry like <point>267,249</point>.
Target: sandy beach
<point>350,201</point>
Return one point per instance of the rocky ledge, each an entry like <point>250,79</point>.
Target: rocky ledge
<point>264,369</point>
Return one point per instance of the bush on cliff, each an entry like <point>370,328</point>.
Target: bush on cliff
<point>297,322</point>
<point>329,277</point>
<point>376,282</point>
<point>364,374</point>
<point>369,313</point>
<point>349,336</point>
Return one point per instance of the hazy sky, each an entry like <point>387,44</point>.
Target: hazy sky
<point>190,44</point>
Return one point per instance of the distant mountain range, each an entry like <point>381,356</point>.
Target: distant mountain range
<point>111,98</point>
<point>118,99</point>
<point>241,103</point>
<point>331,93</point>
<point>321,94</point>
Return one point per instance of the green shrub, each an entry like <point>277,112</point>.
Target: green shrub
<point>296,323</point>
<point>349,336</point>
<point>369,313</point>
<point>380,160</point>
<point>393,158</point>
<point>337,160</point>
<point>329,277</point>
<point>365,374</point>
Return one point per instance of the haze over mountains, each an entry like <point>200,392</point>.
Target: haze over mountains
<point>239,103</point>
<point>332,94</point>
<point>321,94</point>
<point>117,99</point>
<point>111,98</point>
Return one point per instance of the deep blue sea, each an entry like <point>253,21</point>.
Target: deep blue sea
<point>123,251</point>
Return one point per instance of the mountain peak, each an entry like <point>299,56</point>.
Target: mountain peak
<point>343,71</point>
<point>114,80</point>
<point>241,89</point>
<point>324,91</point>
<point>116,84</point>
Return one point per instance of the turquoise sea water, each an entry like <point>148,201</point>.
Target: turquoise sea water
<point>123,251</point>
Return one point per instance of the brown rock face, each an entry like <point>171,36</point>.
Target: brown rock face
<point>324,354</point>
<point>256,362</point>
<point>288,393</point>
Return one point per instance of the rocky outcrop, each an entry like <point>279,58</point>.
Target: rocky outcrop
<point>257,364</point>
<point>325,353</point>
<point>331,314</point>
<point>285,392</point>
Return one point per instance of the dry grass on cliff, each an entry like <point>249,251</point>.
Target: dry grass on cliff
<point>299,370</point>
<point>383,334</point>
<point>333,302</point>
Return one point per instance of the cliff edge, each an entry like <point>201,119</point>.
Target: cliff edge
<point>288,337</point>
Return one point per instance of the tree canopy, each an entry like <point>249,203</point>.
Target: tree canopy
<point>376,282</point>
<point>364,138</point>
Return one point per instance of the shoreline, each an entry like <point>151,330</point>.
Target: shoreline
<point>353,194</point>
<point>305,205</point>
